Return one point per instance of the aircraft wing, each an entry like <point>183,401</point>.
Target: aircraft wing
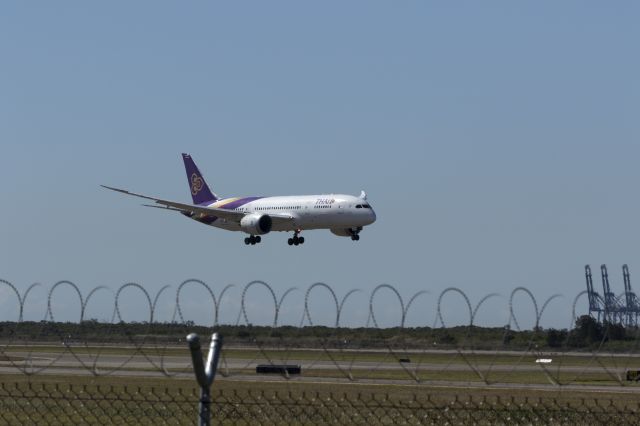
<point>230,215</point>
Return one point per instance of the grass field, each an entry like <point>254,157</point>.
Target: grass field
<point>421,378</point>
<point>350,389</point>
<point>55,399</point>
<point>393,355</point>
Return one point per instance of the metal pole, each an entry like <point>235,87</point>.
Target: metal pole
<point>205,375</point>
<point>204,408</point>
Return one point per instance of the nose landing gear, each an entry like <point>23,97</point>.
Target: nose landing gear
<point>296,240</point>
<point>355,233</point>
<point>253,240</point>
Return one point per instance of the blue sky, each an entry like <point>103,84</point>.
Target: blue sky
<point>498,143</point>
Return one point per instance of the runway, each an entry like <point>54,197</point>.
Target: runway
<point>151,361</point>
<point>319,371</point>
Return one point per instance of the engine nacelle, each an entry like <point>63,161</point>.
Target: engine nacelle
<point>256,224</point>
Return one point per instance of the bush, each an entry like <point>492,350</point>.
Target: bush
<point>556,338</point>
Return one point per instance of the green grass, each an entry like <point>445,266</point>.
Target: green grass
<point>8,358</point>
<point>49,399</point>
<point>409,376</point>
<point>347,388</point>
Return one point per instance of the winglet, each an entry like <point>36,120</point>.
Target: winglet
<point>363,195</point>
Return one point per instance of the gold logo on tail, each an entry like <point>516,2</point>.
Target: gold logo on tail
<point>196,184</point>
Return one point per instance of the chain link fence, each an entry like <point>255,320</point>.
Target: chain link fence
<point>379,375</point>
<point>53,404</point>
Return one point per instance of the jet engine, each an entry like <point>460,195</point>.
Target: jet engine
<point>256,224</point>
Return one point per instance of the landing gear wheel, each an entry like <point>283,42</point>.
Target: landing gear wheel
<point>355,237</point>
<point>253,240</point>
<point>295,240</point>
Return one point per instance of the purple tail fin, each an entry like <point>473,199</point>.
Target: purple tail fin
<point>199,189</point>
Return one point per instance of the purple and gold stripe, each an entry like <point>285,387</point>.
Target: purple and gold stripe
<point>233,203</point>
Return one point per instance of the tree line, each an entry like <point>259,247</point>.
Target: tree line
<point>587,334</point>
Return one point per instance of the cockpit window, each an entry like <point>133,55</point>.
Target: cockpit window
<point>359,206</point>
<point>366,206</point>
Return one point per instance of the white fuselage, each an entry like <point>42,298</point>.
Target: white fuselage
<point>335,211</point>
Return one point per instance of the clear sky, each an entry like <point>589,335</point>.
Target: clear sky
<point>498,143</point>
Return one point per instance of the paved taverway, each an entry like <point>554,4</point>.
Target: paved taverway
<point>110,361</point>
<point>149,365</point>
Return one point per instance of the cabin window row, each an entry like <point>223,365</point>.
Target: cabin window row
<point>280,208</point>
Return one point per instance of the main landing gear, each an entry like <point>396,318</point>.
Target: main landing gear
<point>296,239</point>
<point>253,240</point>
<point>355,233</point>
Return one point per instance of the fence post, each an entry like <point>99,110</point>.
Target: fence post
<point>205,374</point>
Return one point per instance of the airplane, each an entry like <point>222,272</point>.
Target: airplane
<point>343,215</point>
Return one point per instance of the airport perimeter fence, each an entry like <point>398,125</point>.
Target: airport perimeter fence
<point>54,404</point>
<point>48,368</point>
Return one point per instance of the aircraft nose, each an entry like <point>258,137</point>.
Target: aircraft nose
<point>372,216</point>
